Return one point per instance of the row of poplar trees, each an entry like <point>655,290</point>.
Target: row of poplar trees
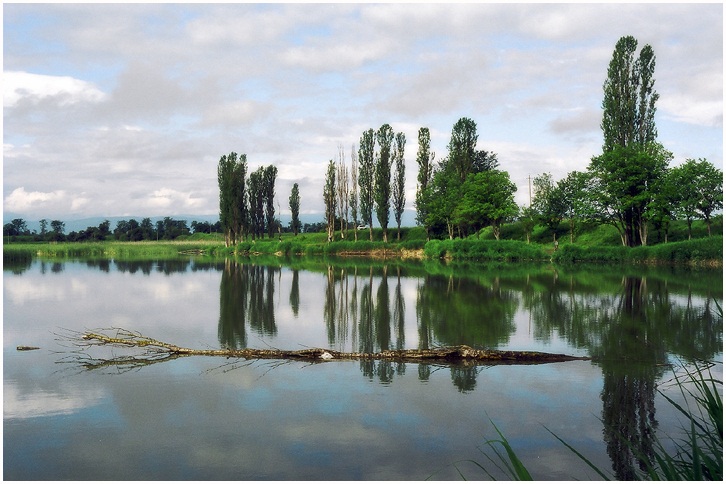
<point>246,202</point>
<point>367,186</point>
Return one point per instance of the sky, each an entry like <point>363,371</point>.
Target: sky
<point>125,109</point>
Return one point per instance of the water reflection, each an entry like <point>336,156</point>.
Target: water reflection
<point>246,298</point>
<point>632,324</point>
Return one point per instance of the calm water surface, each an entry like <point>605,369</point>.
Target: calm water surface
<point>221,419</point>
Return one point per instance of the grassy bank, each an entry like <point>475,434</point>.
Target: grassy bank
<point>706,251</point>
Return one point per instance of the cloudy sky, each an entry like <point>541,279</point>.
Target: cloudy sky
<point>125,109</point>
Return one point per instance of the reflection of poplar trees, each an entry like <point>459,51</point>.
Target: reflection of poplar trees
<point>329,303</point>
<point>628,394</point>
<point>383,314</point>
<point>262,299</point>
<point>295,292</point>
<point>233,297</point>
<point>399,313</point>
<point>246,293</point>
<point>365,324</point>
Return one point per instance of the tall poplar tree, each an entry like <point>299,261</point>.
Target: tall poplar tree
<point>269,177</point>
<point>399,181</point>
<point>425,161</point>
<point>225,181</point>
<point>354,189</point>
<point>382,178</point>
<point>240,209</point>
<point>257,202</point>
<point>295,208</point>
<point>330,200</point>
<point>366,156</point>
<point>342,189</point>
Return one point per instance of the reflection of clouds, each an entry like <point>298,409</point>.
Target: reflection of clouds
<point>37,403</point>
<point>24,290</point>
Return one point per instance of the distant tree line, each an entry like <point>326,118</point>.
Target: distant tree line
<point>126,230</point>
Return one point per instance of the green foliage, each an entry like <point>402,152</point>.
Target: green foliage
<point>484,250</point>
<point>698,251</point>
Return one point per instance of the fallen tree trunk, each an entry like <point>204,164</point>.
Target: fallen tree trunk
<point>125,338</point>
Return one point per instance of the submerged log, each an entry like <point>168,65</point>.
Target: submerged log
<point>451,354</point>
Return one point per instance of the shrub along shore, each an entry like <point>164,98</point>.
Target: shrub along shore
<point>705,251</point>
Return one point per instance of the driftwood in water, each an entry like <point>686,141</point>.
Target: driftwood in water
<point>27,348</point>
<point>125,338</point>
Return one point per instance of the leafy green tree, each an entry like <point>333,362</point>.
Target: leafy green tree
<point>269,177</point>
<point>353,201</point>
<point>462,147</point>
<point>575,198</point>
<point>528,219</point>
<point>625,182</point>
<point>43,228</point>
<point>330,200</point>
<point>487,198</point>
<point>366,156</point>
<point>441,199</point>
<point>425,160</point>
<point>399,181</point>
<point>709,184</point>
<point>548,202</point>
<point>696,190</point>
<point>58,227</point>
<point>382,177</point>
<point>17,226</point>
<point>147,229</point>
<point>664,207</point>
<point>295,209</point>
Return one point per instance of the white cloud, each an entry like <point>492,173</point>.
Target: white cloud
<point>166,198</point>
<point>18,404</point>
<point>21,201</point>
<point>19,86</point>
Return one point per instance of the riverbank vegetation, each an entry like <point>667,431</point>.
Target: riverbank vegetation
<point>598,244</point>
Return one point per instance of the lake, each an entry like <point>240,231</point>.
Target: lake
<point>214,418</point>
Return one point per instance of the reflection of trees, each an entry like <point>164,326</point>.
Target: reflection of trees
<point>464,377</point>
<point>630,324</point>
<point>246,293</point>
<point>458,310</point>
<point>233,301</point>
<point>295,292</point>
<point>262,299</point>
